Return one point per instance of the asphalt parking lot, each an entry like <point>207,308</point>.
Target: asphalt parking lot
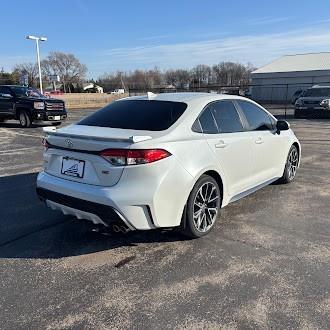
<point>265,265</point>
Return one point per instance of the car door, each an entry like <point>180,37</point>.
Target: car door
<point>224,132</point>
<point>268,146</point>
<point>6,101</point>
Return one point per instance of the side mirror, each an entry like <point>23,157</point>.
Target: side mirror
<point>325,104</point>
<point>282,125</point>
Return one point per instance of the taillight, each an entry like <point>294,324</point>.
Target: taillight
<point>122,157</point>
<point>45,143</point>
<point>116,157</point>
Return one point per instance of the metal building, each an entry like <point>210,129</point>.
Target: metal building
<point>280,79</point>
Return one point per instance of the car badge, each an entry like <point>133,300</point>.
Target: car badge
<point>69,143</point>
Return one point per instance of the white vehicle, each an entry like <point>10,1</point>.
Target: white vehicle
<point>168,160</point>
<point>118,91</point>
<point>325,104</point>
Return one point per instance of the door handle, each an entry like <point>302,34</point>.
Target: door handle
<point>259,140</point>
<point>221,144</point>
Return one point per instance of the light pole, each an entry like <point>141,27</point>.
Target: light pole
<point>38,55</point>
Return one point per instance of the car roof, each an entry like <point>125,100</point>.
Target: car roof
<point>186,97</point>
<point>194,100</point>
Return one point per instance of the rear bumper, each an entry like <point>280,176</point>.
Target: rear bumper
<point>95,200</point>
<point>82,209</point>
<point>145,197</point>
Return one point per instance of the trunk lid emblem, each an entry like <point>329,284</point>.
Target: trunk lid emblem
<point>69,143</point>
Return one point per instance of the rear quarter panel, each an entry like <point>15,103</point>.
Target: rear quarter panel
<point>195,156</point>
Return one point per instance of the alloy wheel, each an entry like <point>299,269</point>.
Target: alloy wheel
<point>22,119</point>
<point>292,163</point>
<point>205,207</point>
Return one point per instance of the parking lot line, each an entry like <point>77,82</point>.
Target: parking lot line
<point>13,151</point>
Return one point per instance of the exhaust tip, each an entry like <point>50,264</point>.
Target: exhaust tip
<point>120,228</point>
<point>116,228</point>
<point>124,229</point>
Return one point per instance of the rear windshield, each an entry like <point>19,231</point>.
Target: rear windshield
<point>137,115</point>
<point>316,92</point>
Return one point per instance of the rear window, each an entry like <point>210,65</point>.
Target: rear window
<point>137,115</point>
<point>317,92</point>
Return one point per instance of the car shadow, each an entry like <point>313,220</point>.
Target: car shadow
<point>10,125</point>
<point>13,124</point>
<point>28,229</point>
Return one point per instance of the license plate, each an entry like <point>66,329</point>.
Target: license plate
<point>73,167</point>
<point>57,117</point>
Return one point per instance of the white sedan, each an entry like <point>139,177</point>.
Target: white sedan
<point>167,160</point>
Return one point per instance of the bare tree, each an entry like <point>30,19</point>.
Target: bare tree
<point>153,78</point>
<point>230,74</point>
<point>171,77</point>
<point>179,78</point>
<point>201,74</point>
<point>137,79</point>
<point>29,69</point>
<point>182,78</point>
<point>7,77</point>
<point>67,66</point>
<point>112,81</point>
<point>224,74</point>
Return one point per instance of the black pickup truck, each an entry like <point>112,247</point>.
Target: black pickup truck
<point>27,105</point>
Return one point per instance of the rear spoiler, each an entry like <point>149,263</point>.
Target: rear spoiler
<point>132,139</point>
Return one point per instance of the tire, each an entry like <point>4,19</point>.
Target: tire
<point>291,166</point>
<point>199,217</point>
<point>25,119</point>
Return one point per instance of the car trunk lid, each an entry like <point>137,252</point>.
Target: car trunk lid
<point>74,153</point>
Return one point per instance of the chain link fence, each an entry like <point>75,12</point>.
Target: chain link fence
<point>279,99</point>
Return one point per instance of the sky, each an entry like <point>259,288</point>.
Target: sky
<point>110,36</point>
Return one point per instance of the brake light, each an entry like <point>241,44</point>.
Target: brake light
<point>45,143</point>
<point>122,157</point>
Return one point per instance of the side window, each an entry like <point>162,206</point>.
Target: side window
<point>4,90</point>
<point>226,117</point>
<point>258,119</point>
<point>207,122</point>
